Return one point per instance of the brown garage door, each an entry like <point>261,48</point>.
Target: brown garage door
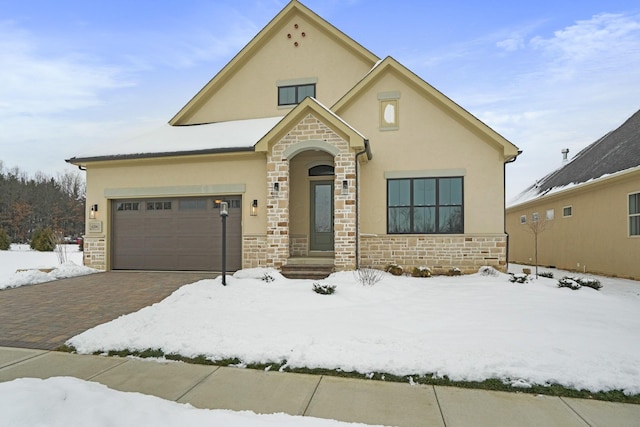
<point>175,234</point>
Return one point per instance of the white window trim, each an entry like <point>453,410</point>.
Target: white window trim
<point>570,214</point>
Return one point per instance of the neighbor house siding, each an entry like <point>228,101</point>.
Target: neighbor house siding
<point>594,239</point>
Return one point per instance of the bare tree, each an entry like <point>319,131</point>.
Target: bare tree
<point>536,226</point>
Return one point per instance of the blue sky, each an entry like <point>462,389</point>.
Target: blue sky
<point>546,75</point>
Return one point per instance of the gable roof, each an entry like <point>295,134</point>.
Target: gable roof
<point>389,64</point>
<point>308,106</point>
<point>616,151</point>
<point>254,46</point>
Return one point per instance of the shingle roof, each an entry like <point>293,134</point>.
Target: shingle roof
<point>616,151</point>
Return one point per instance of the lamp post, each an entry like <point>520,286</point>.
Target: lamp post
<point>224,213</point>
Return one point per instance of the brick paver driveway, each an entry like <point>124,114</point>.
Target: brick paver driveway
<point>44,316</point>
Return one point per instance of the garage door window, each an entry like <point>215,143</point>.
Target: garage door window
<point>158,206</point>
<point>128,206</point>
<point>193,204</point>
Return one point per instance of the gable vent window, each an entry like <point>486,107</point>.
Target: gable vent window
<point>293,95</point>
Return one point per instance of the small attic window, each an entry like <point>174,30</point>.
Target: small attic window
<point>295,94</point>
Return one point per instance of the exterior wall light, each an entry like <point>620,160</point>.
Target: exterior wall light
<point>94,209</point>
<point>276,187</point>
<point>254,208</point>
<point>345,187</point>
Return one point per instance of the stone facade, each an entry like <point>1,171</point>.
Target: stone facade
<point>95,252</point>
<point>279,247</point>
<point>440,253</point>
<point>299,245</point>
<point>254,250</point>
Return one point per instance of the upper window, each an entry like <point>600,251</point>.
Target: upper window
<point>523,219</point>
<point>292,95</point>
<point>551,213</point>
<point>425,206</point>
<point>567,211</point>
<point>534,217</point>
<point>634,214</point>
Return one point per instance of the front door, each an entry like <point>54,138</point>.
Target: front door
<point>321,235</point>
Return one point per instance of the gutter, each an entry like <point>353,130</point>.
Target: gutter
<point>504,202</point>
<point>367,151</point>
<point>76,160</point>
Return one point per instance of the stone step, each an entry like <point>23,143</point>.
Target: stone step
<point>305,271</point>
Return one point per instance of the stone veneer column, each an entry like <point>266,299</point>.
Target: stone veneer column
<point>277,207</point>
<point>95,252</point>
<point>345,212</point>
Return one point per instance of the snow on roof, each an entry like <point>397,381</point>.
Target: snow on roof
<point>533,192</point>
<point>237,134</point>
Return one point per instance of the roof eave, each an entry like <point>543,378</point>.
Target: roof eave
<point>80,161</point>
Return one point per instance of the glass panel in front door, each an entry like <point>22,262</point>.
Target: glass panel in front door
<point>322,216</point>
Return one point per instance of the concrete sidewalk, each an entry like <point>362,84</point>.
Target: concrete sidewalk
<point>370,402</point>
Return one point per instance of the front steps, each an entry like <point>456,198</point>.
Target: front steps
<point>315,268</point>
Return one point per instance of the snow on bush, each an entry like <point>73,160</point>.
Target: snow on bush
<point>576,283</point>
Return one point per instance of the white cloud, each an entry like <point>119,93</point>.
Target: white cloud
<point>36,83</point>
<point>605,33</point>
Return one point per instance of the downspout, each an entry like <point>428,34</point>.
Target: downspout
<point>367,151</point>
<point>504,202</point>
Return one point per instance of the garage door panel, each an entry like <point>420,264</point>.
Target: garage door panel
<point>175,234</point>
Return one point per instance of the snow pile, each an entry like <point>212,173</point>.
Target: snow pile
<point>31,262</point>
<point>470,328</point>
<point>64,401</point>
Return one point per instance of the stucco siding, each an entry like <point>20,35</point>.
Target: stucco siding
<point>428,138</point>
<point>252,91</point>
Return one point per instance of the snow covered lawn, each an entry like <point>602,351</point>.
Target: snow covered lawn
<point>472,327</point>
<point>22,257</point>
<point>64,401</point>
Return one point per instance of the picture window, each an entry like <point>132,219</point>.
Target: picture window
<point>425,206</point>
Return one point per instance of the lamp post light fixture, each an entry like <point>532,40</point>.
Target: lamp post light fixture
<point>224,213</point>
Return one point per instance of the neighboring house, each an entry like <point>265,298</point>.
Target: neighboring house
<point>322,150</point>
<point>589,209</point>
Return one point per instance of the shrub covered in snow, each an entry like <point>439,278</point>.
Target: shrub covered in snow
<point>323,288</point>
<point>488,271</point>
<point>421,272</point>
<point>368,276</point>
<point>454,271</point>
<point>394,269</point>
<point>5,242</point>
<point>268,278</point>
<point>547,274</point>
<point>576,283</point>
<point>519,278</point>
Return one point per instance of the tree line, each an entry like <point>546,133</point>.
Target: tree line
<point>35,203</point>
